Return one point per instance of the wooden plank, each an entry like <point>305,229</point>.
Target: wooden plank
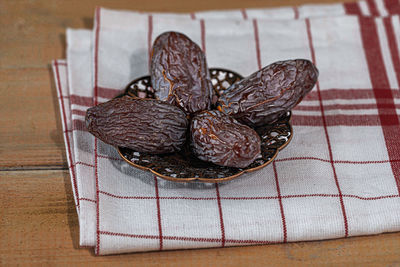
<point>30,129</point>
<point>32,33</point>
<point>38,225</point>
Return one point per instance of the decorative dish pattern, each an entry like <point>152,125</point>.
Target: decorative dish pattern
<point>184,166</point>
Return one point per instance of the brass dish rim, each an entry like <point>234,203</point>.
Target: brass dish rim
<point>211,180</point>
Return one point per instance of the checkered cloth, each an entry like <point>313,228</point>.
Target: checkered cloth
<point>339,177</point>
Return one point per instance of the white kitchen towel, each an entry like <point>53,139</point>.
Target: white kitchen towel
<point>61,81</point>
<point>80,74</point>
<point>319,193</point>
<point>79,54</point>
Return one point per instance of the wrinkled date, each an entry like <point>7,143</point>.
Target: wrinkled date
<point>144,125</point>
<point>218,138</point>
<point>179,73</point>
<point>269,93</point>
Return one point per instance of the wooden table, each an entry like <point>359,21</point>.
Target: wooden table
<point>38,221</point>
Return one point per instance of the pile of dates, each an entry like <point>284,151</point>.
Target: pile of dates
<point>219,129</point>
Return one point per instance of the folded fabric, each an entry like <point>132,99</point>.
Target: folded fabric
<point>325,184</point>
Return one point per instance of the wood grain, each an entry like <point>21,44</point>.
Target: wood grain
<point>38,221</point>
<point>30,127</point>
<point>38,224</point>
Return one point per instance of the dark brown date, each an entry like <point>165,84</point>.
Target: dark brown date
<point>144,125</point>
<point>218,138</point>
<point>179,73</point>
<point>269,93</point>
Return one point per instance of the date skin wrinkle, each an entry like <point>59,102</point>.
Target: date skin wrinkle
<point>179,73</point>
<point>144,125</point>
<point>222,140</point>
<point>269,93</point>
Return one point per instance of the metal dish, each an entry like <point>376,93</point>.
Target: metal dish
<point>184,166</point>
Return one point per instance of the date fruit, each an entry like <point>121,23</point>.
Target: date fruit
<point>144,125</point>
<point>179,73</point>
<point>269,93</point>
<point>218,138</point>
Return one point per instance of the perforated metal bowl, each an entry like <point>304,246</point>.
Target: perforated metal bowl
<point>183,166</point>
